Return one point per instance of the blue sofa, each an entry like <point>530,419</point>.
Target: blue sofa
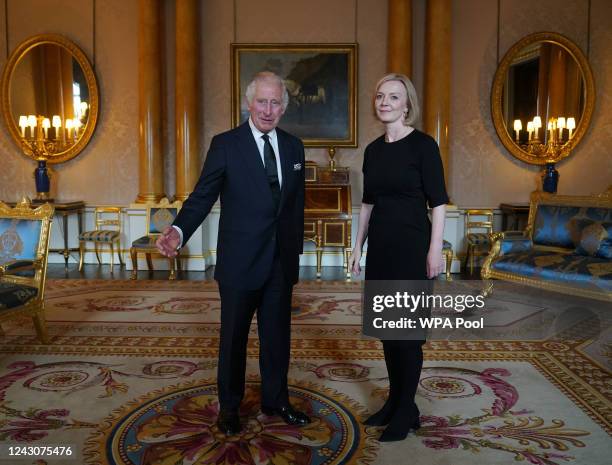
<point>567,247</point>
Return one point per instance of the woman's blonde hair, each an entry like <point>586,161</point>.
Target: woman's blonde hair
<point>413,113</point>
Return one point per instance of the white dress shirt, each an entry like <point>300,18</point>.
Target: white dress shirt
<point>260,146</point>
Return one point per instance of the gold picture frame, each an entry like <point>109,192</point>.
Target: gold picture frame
<point>321,80</point>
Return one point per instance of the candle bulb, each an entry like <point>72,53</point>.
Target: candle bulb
<point>46,124</point>
<point>23,123</point>
<point>517,128</point>
<point>551,129</point>
<point>82,109</point>
<point>32,124</point>
<point>571,125</point>
<point>530,128</point>
<point>561,126</point>
<point>69,127</point>
<point>77,126</point>
<point>57,124</point>
<point>537,124</point>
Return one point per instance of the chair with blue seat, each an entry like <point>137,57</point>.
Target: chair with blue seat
<point>478,227</point>
<point>159,217</point>
<point>107,232</point>
<point>24,246</point>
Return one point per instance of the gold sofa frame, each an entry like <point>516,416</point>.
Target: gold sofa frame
<point>34,307</point>
<point>542,198</point>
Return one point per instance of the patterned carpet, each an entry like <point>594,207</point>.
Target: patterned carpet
<point>129,378</point>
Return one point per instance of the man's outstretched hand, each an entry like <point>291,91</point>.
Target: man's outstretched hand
<point>168,242</point>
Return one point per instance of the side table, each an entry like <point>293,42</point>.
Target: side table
<point>516,212</point>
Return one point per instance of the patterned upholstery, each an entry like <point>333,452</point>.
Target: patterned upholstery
<point>144,242</point>
<point>13,295</point>
<point>566,247</point>
<point>515,244</point>
<point>555,224</point>
<point>557,267</point>
<point>159,217</point>
<point>24,244</point>
<point>103,235</point>
<point>18,239</point>
<point>106,233</point>
<point>18,264</point>
<point>478,238</point>
<point>592,238</point>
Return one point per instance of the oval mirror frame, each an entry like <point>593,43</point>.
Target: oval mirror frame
<point>92,85</point>
<point>498,90</point>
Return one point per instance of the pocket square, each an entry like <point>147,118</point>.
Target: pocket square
<point>297,167</point>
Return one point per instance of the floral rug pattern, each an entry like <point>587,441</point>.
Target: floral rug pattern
<point>126,393</point>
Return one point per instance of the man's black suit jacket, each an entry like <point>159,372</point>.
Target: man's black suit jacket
<point>249,225</point>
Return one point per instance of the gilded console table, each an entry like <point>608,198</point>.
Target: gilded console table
<point>328,211</point>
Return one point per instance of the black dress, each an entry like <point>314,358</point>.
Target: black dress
<point>400,178</point>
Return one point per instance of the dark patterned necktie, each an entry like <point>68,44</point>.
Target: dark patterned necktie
<point>271,170</point>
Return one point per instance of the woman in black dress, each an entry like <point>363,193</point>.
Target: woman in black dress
<point>402,174</point>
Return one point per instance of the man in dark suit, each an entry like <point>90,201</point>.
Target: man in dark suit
<point>257,170</point>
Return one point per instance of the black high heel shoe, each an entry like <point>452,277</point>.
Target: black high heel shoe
<point>399,427</point>
<point>382,417</point>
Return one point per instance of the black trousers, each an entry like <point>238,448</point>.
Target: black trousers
<point>273,305</point>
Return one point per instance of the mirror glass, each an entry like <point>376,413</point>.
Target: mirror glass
<point>543,81</point>
<point>52,98</point>
<point>542,98</point>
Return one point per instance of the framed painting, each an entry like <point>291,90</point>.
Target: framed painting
<point>321,81</point>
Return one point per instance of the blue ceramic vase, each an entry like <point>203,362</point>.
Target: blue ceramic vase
<point>550,179</point>
<point>41,178</point>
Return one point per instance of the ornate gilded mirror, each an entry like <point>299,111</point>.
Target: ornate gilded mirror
<point>49,98</point>
<point>542,98</point>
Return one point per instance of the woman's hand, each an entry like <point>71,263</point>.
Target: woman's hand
<point>353,262</point>
<point>435,262</point>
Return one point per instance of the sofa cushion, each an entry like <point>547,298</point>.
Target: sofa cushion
<point>144,242</point>
<point>592,238</point>
<point>560,268</point>
<point>552,225</point>
<point>102,235</point>
<point>13,295</point>
<point>478,238</point>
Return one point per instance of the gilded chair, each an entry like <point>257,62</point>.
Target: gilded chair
<point>24,246</point>
<point>159,217</point>
<point>108,231</point>
<point>447,250</point>
<point>477,230</point>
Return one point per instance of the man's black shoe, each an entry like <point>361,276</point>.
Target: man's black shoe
<point>228,422</point>
<point>288,414</point>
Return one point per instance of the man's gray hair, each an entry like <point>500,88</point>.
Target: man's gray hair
<point>266,76</point>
